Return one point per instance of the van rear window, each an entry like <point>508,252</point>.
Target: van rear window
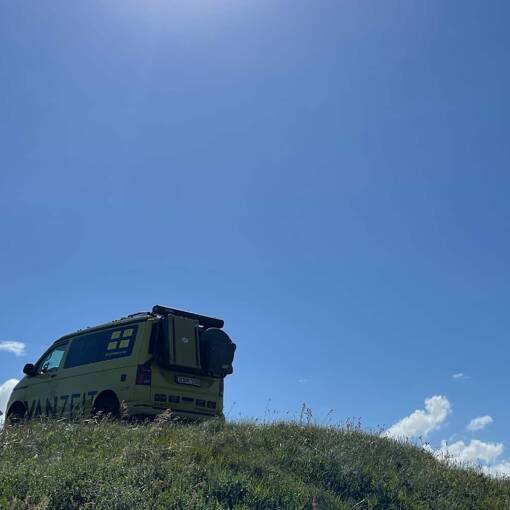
<point>101,346</point>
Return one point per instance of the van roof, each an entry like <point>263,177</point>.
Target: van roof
<point>157,311</point>
<point>137,317</point>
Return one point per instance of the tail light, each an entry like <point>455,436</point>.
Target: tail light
<point>222,385</point>
<point>143,375</point>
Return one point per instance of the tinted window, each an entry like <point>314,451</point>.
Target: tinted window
<point>101,346</point>
<point>52,360</point>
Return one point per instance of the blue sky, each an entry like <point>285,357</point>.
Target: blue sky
<point>331,178</point>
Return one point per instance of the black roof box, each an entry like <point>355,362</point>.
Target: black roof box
<point>203,320</point>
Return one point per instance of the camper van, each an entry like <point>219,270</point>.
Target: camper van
<point>141,365</point>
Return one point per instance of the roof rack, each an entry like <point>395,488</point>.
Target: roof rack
<point>203,320</point>
<point>137,314</point>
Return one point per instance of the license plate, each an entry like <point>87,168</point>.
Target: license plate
<point>190,381</point>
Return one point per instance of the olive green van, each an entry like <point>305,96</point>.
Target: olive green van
<point>140,365</point>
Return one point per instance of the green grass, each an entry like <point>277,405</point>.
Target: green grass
<point>108,465</point>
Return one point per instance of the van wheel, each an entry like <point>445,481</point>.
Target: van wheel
<point>107,405</point>
<point>17,413</point>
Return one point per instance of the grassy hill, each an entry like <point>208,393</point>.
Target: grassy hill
<point>109,465</point>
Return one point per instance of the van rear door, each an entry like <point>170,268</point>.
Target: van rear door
<point>178,381</point>
<point>185,393</point>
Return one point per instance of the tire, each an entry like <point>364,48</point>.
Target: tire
<point>107,406</point>
<point>17,413</point>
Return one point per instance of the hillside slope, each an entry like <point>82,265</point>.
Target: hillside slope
<point>214,466</point>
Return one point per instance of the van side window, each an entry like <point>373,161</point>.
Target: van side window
<point>51,362</point>
<point>101,346</point>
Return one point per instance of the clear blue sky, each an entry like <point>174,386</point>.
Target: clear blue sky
<point>330,177</point>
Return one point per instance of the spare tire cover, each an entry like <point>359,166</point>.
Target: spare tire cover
<point>216,352</point>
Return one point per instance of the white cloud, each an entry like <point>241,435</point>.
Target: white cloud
<point>498,470</point>
<point>479,454</point>
<point>17,348</point>
<point>422,422</point>
<point>473,452</point>
<point>479,423</point>
<point>5,393</point>
<point>460,375</point>
<point>476,454</point>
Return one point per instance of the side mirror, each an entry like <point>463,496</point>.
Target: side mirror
<point>29,369</point>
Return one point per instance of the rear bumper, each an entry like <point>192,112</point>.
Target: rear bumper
<point>142,409</point>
